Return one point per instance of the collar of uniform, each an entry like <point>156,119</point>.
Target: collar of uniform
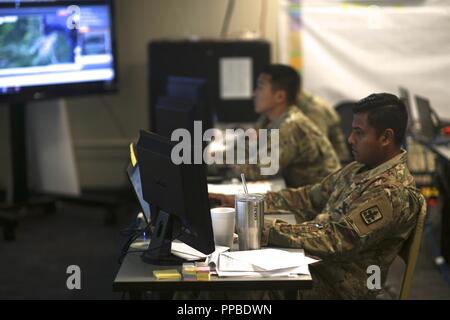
<point>275,124</point>
<point>304,101</point>
<point>369,174</point>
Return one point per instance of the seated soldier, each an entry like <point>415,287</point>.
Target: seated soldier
<point>327,120</point>
<point>357,217</point>
<point>305,153</point>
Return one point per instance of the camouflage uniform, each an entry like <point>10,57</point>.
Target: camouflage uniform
<point>327,120</point>
<point>351,220</point>
<point>306,155</point>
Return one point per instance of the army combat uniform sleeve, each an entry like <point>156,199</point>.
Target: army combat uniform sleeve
<point>306,202</point>
<point>373,217</point>
<point>294,145</point>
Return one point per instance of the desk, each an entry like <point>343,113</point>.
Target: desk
<point>443,170</point>
<point>136,277</point>
<point>443,151</point>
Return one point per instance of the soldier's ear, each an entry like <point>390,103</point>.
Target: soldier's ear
<point>388,137</point>
<point>280,96</point>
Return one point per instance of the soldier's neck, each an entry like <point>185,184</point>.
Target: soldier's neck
<point>275,113</point>
<point>389,155</point>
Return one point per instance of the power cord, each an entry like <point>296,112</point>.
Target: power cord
<point>138,232</point>
<point>263,19</point>
<point>114,118</point>
<point>133,234</point>
<point>227,19</point>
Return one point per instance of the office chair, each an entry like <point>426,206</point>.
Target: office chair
<point>411,248</point>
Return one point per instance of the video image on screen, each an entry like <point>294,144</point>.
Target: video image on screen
<point>31,41</point>
<point>38,46</point>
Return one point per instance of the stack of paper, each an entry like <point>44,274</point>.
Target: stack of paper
<point>261,263</point>
<point>188,253</point>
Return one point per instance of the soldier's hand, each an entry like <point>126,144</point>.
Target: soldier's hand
<point>223,199</point>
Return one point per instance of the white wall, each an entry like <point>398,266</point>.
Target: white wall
<point>353,50</point>
<point>102,142</point>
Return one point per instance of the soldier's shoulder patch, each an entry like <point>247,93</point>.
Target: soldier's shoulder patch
<point>371,215</point>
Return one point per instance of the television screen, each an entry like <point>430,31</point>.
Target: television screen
<point>56,48</point>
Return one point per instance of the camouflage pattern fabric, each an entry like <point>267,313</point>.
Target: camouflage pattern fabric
<point>327,120</point>
<point>306,155</point>
<point>353,219</point>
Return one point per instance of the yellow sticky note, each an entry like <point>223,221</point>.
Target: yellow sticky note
<point>171,274</point>
<point>132,155</point>
<point>203,276</point>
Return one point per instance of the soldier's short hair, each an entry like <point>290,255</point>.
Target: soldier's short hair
<point>284,77</point>
<point>385,111</point>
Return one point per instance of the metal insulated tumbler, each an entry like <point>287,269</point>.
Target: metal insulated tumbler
<point>249,220</point>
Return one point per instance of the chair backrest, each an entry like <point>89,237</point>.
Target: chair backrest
<point>411,248</point>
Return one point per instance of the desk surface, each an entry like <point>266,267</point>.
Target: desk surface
<point>442,150</point>
<point>136,275</point>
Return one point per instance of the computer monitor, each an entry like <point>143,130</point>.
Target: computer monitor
<point>196,90</point>
<point>174,113</point>
<point>230,67</point>
<point>183,102</point>
<point>428,119</point>
<point>52,49</point>
<point>186,87</point>
<point>178,195</point>
<point>404,96</point>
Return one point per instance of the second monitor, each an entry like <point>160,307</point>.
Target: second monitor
<point>183,103</point>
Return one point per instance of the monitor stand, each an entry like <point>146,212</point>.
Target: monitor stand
<point>159,249</point>
<point>42,157</point>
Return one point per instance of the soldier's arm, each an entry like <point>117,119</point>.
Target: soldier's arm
<point>293,145</point>
<point>251,171</point>
<point>306,202</point>
<point>378,214</point>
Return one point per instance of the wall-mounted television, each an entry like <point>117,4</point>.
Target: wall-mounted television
<point>51,49</point>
